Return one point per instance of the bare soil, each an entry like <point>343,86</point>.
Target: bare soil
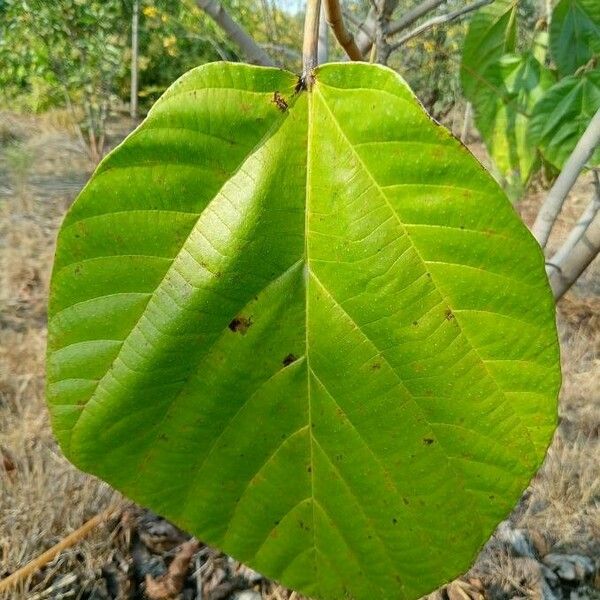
<point>136,554</point>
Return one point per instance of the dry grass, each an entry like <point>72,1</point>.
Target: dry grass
<point>43,498</point>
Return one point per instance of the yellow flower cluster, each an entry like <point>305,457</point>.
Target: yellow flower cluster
<point>150,11</point>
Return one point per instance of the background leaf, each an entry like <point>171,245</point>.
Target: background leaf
<point>574,33</point>
<point>562,114</point>
<point>304,335</point>
<point>503,116</point>
<point>492,33</point>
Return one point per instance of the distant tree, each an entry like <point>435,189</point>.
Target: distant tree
<point>74,47</point>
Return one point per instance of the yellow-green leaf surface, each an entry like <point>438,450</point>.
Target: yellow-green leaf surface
<point>319,338</point>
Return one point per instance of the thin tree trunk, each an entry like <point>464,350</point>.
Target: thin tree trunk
<point>562,186</point>
<point>133,101</point>
<point>310,47</point>
<point>556,265</point>
<point>252,51</point>
<point>335,20</point>
<point>566,272</point>
<point>365,36</point>
<point>466,123</point>
<point>323,38</point>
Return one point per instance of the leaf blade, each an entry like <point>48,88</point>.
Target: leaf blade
<point>339,309</point>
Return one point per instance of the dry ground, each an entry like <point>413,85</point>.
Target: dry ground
<point>43,498</point>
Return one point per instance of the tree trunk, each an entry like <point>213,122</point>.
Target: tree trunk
<point>133,101</point>
<point>323,38</point>
<point>253,52</point>
<point>562,186</point>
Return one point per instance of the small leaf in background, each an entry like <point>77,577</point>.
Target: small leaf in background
<point>492,33</point>
<point>502,117</point>
<point>574,34</point>
<point>562,114</point>
<point>317,336</point>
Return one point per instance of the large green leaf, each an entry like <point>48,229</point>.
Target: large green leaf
<point>502,117</point>
<point>575,33</point>
<point>319,338</point>
<point>491,34</point>
<point>562,114</point>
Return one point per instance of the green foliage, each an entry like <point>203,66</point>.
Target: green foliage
<point>575,34</point>
<point>492,33</point>
<point>172,40</point>
<point>562,114</point>
<point>71,44</point>
<point>516,82</point>
<point>302,334</point>
<point>428,62</point>
<point>521,109</point>
<point>502,86</point>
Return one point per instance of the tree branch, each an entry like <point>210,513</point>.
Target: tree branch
<point>563,263</point>
<point>333,14</point>
<point>562,186</point>
<point>564,275</point>
<point>439,20</point>
<point>413,15</point>
<point>310,47</point>
<point>252,51</point>
<point>370,27</point>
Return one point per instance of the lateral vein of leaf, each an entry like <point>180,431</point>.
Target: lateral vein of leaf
<point>452,188</point>
<point>90,300</point>
<point>344,480</point>
<point>231,421</point>
<point>401,224</point>
<point>399,379</point>
<point>360,563</point>
<point>147,163</point>
<point>132,211</point>
<point>513,280</point>
<point>494,442</point>
<point>262,467</point>
<point>408,101</point>
<point>280,520</point>
<point>111,257</point>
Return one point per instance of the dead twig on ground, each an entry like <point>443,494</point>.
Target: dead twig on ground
<point>41,561</point>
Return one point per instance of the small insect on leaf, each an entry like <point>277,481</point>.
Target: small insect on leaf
<point>280,101</point>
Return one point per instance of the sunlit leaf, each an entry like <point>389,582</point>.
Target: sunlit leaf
<point>317,337</point>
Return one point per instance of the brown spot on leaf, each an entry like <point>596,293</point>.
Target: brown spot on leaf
<point>240,325</point>
<point>375,366</point>
<point>428,441</point>
<point>289,359</point>
<point>449,315</point>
